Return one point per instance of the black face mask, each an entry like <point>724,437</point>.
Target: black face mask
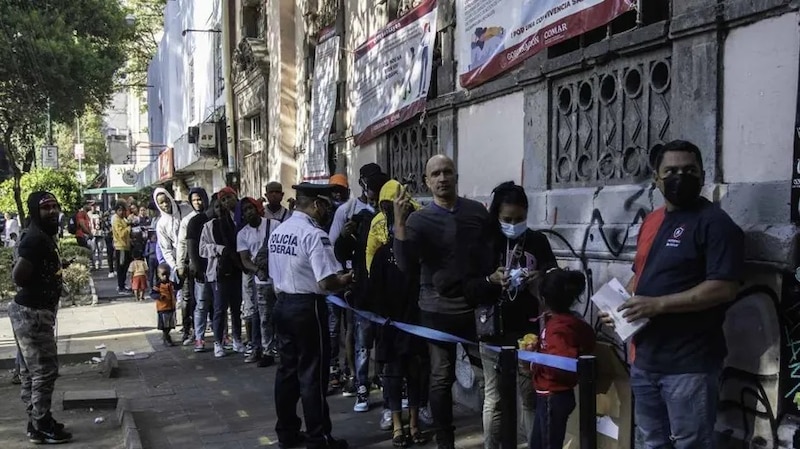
<point>326,216</point>
<point>682,190</point>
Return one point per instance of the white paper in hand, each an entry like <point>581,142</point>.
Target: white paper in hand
<point>608,299</point>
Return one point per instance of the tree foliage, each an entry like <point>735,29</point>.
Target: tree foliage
<point>91,134</point>
<point>61,183</point>
<point>58,56</point>
<point>148,24</point>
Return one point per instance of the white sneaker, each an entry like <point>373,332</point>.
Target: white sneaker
<point>362,400</point>
<point>386,419</point>
<point>218,350</point>
<point>111,275</point>
<point>238,346</point>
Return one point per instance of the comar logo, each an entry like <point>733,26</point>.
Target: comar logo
<point>675,241</point>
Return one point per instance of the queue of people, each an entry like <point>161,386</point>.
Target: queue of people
<point>451,265</point>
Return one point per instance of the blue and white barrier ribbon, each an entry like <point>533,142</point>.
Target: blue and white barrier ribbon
<point>553,361</point>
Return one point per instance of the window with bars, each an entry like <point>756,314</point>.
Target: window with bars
<point>253,22</point>
<point>652,11</point>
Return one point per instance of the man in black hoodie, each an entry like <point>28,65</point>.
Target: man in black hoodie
<point>196,265</point>
<point>224,271</point>
<point>37,273</point>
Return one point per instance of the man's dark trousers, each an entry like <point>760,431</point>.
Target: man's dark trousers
<point>443,366</point>
<point>301,326</point>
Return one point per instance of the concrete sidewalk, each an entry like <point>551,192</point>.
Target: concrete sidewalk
<point>118,322</point>
<point>181,399</point>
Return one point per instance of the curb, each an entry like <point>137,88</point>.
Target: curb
<point>93,291</point>
<point>130,432</point>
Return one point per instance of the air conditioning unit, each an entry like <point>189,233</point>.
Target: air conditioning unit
<point>208,138</point>
<point>193,134</point>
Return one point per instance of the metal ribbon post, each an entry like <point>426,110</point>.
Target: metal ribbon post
<point>587,381</point>
<point>507,367</point>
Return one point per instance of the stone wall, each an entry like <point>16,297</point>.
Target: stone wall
<point>721,74</point>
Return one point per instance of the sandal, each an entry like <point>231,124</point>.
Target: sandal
<point>399,438</point>
<point>418,437</point>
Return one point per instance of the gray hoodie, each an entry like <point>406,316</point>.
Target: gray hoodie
<point>167,229</point>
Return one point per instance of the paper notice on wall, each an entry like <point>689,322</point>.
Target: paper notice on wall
<point>393,73</point>
<point>323,106</point>
<point>497,35</point>
<point>608,299</point>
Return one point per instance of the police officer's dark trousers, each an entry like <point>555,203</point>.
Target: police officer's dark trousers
<point>301,326</point>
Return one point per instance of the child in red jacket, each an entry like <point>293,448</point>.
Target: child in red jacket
<point>566,334</point>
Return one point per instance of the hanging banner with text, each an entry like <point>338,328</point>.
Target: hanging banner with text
<point>497,35</point>
<point>323,106</point>
<point>393,73</point>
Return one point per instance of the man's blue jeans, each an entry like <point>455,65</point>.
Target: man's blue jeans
<point>365,339</point>
<point>204,296</point>
<point>676,410</point>
<point>335,332</point>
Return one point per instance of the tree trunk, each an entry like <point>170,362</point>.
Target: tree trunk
<point>8,142</point>
<point>18,194</point>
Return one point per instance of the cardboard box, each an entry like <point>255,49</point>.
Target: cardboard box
<point>614,404</point>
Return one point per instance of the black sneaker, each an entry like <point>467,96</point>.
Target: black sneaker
<point>265,361</point>
<point>349,388</point>
<point>297,441</point>
<point>333,443</point>
<point>50,433</point>
<point>31,429</point>
<point>253,357</point>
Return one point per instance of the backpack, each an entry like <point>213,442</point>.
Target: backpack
<point>72,224</point>
<point>261,260</point>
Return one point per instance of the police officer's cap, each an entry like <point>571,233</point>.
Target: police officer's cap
<point>310,190</point>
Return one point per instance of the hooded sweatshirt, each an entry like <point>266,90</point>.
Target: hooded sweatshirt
<point>38,246</point>
<point>167,229</point>
<point>183,253</point>
<point>379,231</point>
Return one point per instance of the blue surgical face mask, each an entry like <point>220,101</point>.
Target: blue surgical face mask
<point>513,231</point>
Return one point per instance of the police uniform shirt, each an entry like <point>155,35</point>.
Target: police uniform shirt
<point>300,255</point>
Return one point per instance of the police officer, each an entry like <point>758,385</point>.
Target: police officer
<point>304,269</point>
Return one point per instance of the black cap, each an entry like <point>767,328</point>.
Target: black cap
<point>310,190</point>
<point>370,169</point>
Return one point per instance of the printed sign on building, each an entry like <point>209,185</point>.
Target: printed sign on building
<point>166,165</point>
<point>323,105</point>
<point>49,156</point>
<point>498,35</point>
<point>393,73</point>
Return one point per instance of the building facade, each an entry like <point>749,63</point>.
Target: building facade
<point>575,123</point>
<point>186,100</point>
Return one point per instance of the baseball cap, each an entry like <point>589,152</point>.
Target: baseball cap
<point>274,186</point>
<point>339,180</point>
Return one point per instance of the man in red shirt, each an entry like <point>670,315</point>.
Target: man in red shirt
<point>83,226</point>
<point>689,262</point>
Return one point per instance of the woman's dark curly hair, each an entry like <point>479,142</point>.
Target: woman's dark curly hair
<point>560,289</point>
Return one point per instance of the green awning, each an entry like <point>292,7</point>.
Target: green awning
<point>111,190</point>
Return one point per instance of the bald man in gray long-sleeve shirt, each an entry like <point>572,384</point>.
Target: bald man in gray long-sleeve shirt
<point>437,243</point>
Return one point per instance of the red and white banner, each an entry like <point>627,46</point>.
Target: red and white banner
<point>498,35</point>
<point>393,73</point>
